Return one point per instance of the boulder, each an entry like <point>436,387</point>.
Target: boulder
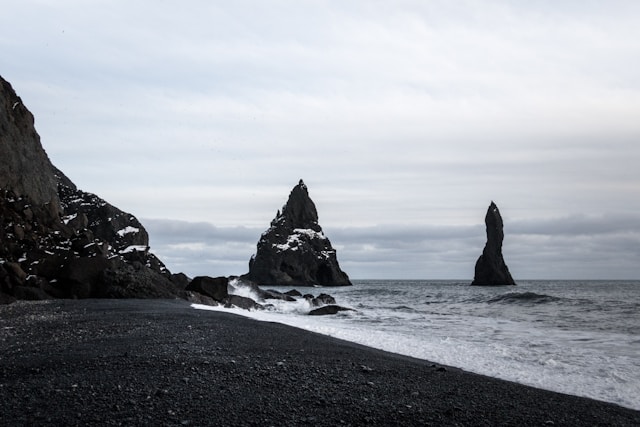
<point>328,309</point>
<point>323,299</point>
<point>293,293</point>
<point>242,302</point>
<point>6,299</point>
<point>30,293</point>
<point>273,294</point>
<point>180,280</point>
<point>491,269</point>
<point>213,287</point>
<point>127,280</point>
<point>198,298</point>
<point>16,272</point>
<point>294,251</point>
<point>82,276</point>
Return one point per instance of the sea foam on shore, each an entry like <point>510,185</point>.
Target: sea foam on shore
<point>578,338</point>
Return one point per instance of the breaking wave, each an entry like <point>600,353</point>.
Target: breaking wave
<point>523,298</point>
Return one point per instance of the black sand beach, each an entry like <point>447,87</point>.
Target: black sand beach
<point>159,362</point>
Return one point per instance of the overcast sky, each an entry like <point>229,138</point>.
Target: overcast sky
<point>404,118</point>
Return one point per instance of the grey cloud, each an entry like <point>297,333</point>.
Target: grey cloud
<point>392,114</point>
<point>580,224</point>
<point>175,231</point>
<point>541,249</point>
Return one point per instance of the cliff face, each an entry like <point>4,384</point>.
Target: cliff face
<point>294,250</point>
<point>24,166</point>
<point>491,269</point>
<point>57,241</point>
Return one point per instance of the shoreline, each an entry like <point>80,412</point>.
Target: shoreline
<point>162,362</point>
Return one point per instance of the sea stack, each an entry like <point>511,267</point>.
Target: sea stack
<point>491,269</point>
<point>294,251</point>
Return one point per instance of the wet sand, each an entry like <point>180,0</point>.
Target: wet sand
<point>160,362</point>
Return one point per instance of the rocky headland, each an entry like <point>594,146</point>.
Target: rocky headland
<point>57,241</point>
<point>491,270</point>
<point>294,250</point>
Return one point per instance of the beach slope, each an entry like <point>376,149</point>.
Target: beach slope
<point>161,362</point>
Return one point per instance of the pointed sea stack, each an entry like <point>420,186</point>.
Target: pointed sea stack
<point>491,269</point>
<point>294,251</point>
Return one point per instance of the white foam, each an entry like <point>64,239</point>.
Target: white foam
<point>599,365</point>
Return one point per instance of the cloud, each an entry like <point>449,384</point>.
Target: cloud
<point>413,113</point>
<point>579,225</point>
<point>596,247</point>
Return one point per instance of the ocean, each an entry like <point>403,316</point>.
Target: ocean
<point>574,337</point>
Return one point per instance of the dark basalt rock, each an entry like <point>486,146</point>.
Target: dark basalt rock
<point>328,309</point>
<point>294,251</point>
<point>293,293</point>
<point>197,298</point>
<point>491,269</point>
<point>25,167</point>
<point>67,242</point>
<point>242,302</point>
<point>212,287</point>
<point>323,299</point>
<point>277,295</point>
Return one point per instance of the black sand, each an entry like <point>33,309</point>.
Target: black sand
<point>159,362</point>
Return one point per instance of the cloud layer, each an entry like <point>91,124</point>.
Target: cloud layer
<point>584,247</point>
<point>402,116</point>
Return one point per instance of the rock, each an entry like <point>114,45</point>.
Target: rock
<point>126,280</point>
<point>15,270</point>
<point>25,167</point>
<point>242,302</point>
<point>323,299</point>
<point>106,222</point>
<point>198,298</point>
<point>273,294</point>
<point>6,299</point>
<point>213,287</point>
<point>294,251</point>
<point>491,269</point>
<point>328,309</point>
<point>82,277</point>
<point>180,280</point>
<point>30,293</point>
<point>70,243</point>
<point>293,293</point>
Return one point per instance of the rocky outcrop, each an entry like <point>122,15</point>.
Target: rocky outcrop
<point>57,241</point>
<point>491,269</point>
<point>294,250</point>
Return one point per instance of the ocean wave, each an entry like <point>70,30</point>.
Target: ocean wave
<point>523,297</point>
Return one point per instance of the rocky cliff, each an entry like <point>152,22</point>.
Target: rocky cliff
<point>58,241</point>
<point>24,166</point>
<point>294,250</point>
<point>491,269</point>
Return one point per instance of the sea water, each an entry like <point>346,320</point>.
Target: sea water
<point>575,337</point>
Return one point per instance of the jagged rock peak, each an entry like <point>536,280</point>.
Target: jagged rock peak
<point>299,211</point>
<point>294,250</point>
<point>490,269</point>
